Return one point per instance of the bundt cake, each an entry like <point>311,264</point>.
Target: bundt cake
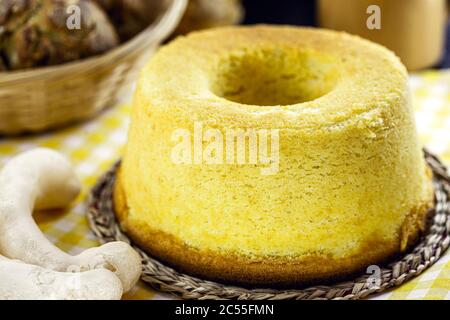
<point>273,156</point>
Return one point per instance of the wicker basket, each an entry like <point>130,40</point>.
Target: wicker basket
<point>49,97</point>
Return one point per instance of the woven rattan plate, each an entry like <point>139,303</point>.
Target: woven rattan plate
<point>163,278</point>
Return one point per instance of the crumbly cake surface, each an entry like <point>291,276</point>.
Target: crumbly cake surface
<point>351,187</point>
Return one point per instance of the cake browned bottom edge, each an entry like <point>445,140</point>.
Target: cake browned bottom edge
<point>275,272</point>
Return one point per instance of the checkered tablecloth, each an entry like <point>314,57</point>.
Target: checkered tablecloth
<point>95,146</point>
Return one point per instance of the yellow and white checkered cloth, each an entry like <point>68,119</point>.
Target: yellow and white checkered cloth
<point>94,146</point>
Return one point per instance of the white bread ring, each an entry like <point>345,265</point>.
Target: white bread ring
<point>44,179</point>
<point>20,281</point>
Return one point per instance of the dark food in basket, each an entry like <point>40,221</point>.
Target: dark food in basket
<point>14,13</point>
<point>37,32</point>
<point>202,14</point>
<point>129,16</point>
<point>2,64</point>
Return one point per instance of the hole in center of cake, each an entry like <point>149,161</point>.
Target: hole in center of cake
<point>274,77</point>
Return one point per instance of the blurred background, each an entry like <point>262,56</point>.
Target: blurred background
<point>419,20</point>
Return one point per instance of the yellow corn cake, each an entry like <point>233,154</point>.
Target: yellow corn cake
<point>273,156</point>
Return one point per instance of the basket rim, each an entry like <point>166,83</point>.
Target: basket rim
<point>160,29</point>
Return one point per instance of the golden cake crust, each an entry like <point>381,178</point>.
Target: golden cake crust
<point>349,185</point>
<point>276,272</point>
